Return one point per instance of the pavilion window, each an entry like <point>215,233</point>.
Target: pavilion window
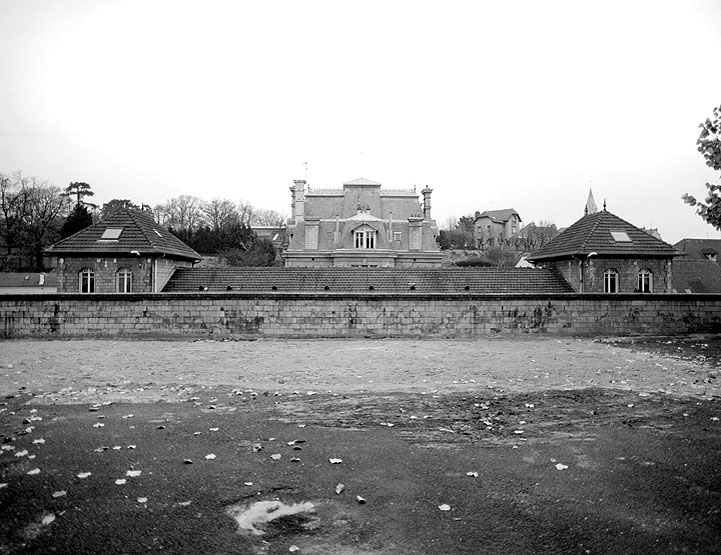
<point>645,281</point>
<point>610,281</point>
<point>124,281</point>
<point>87,281</point>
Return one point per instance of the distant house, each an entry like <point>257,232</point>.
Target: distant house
<point>126,252</point>
<point>361,224</point>
<point>603,253</point>
<point>700,270</point>
<point>494,226</point>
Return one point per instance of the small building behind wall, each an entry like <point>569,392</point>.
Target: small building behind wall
<point>126,252</point>
<point>601,253</point>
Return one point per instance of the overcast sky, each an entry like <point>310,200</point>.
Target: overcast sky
<point>523,104</point>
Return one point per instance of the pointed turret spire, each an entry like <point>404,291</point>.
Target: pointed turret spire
<point>591,207</point>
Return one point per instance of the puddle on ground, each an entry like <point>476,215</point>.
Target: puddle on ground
<point>274,526</point>
<point>263,517</point>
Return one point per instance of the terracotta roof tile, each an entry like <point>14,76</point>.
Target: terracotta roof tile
<point>592,233</point>
<point>139,232</point>
<point>382,280</point>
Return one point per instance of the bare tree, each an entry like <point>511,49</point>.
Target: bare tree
<point>183,212</point>
<point>220,213</point>
<point>245,212</point>
<point>46,208</point>
<point>264,216</point>
<point>14,196</point>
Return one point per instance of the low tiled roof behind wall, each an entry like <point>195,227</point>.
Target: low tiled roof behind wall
<point>382,280</point>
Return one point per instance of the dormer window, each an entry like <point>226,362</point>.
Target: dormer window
<point>620,237</point>
<point>365,237</point>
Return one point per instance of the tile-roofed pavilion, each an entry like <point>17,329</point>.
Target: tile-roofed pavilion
<point>605,234</point>
<point>122,232</point>
<point>125,252</point>
<point>620,251</point>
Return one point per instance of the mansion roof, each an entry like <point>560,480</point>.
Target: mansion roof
<point>122,232</point>
<point>604,234</point>
<point>700,270</point>
<point>379,280</point>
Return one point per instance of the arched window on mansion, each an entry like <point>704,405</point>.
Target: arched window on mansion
<point>123,280</point>
<point>610,281</point>
<point>645,281</point>
<point>365,237</point>
<point>87,281</point>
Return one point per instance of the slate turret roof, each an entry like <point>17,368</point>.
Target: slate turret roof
<point>607,235</point>
<point>122,232</point>
<point>380,280</point>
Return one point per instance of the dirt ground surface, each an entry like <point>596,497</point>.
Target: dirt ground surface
<point>499,445</point>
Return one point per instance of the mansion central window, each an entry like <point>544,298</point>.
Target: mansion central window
<point>365,238</point>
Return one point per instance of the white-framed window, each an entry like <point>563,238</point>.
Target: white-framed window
<point>86,281</point>
<point>124,280</point>
<point>365,238</point>
<point>397,235</point>
<point>645,281</point>
<point>610,281</point>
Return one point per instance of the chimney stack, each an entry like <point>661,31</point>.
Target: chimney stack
<point>298,205</point>
<point>426,192</point>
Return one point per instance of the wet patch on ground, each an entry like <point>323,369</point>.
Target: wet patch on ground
<point>548,416</point>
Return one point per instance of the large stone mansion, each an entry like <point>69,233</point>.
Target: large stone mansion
<point>361,225</point>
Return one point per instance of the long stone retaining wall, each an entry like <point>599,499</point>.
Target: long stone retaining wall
<point>238,315</point>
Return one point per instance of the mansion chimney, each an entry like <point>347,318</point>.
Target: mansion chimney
<point>298,205</point>
<point>426,192</point>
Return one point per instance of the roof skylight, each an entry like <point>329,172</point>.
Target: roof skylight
<point>620,237</point>
<point>112,233</point>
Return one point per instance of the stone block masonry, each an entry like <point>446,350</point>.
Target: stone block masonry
<point>246,315</point>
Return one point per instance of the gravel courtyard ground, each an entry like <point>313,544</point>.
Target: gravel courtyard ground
<point>536,445</point>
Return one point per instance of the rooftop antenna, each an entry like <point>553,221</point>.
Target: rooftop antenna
<point>306,170</point>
